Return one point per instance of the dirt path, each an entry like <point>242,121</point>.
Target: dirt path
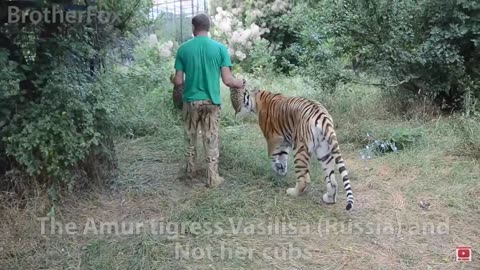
<point>385,230</point>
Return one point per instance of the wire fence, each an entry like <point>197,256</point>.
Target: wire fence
<point>176,16</point>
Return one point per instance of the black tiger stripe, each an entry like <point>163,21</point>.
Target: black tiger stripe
<point>301,148</point>
<point>298,160</point>
<point>333,137</point>
<point>302,175</point>
<point>318,117</point>
<point>323,122</point>
<point>280,153</point>
<point>305,155</point>
<point>324,158</point>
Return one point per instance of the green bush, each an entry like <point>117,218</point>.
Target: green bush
<point>260,61</point>
<point>50,138</point>
<point>421,48</point>
<point>315,52</point>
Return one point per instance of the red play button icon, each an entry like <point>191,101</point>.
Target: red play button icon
<point>464,254</point>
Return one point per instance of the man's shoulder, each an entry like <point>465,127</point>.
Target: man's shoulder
<point>217,43</point>
<point>185,44</point>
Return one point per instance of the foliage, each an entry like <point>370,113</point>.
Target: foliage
<point>131,14</point>
<point>56,122</point>
<point>259,62</point>
<point>141,93</point>
<point>304,45</point>
<point>50,137</point>
<point>427,48</point>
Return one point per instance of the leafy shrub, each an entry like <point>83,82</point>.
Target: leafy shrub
<point>55,121</point>
<point>49,139</point>
<point>422,48</point>
<point>311,48</point>
<point>260,61</point>
<point>9,92</point>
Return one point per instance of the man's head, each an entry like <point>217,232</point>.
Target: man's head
<point>200,23</point>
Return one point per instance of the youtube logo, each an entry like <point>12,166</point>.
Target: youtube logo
<point>464,254</point>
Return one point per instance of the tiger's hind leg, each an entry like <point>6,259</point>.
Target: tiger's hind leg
<point>278,151</point>
<point>327,161</point>
<point>302,170</point>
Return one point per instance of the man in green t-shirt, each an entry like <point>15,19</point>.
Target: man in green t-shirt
<point>199,64</point>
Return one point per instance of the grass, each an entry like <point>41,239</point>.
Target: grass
<point>389,227</point>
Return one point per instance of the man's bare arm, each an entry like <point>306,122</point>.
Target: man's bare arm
<point>178,81</point>
<point>228,79</point>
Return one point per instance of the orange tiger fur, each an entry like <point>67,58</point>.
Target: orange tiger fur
<point>307,127</point>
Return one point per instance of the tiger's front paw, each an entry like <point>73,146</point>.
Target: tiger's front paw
<point>279,168</point>
<point>293,192</point>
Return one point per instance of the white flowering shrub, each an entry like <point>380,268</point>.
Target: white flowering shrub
<point>280,6</point>
<point>165,49</point>
<point>231,31</point>
<point>243,24</point>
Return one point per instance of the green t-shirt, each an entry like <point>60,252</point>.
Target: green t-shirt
<point>201,59</point>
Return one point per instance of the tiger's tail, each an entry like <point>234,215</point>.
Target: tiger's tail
<point>330,138</point>
<point>340,164</point>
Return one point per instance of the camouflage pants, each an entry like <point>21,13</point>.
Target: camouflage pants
<point>205,117</point>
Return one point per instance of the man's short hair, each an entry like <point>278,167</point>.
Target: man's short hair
<point>201,22</point>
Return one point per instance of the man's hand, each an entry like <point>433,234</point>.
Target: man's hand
<point>239,83</point>
<point>228,79</point>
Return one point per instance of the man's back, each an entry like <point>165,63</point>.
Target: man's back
<point>198,65</point>
<point>201,59</point>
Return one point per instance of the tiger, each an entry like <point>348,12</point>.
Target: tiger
<point>302,125</point>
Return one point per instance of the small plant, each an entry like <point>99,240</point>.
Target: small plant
<point>404,137</point>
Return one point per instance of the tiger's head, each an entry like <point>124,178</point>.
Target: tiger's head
<point>249,104</point>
